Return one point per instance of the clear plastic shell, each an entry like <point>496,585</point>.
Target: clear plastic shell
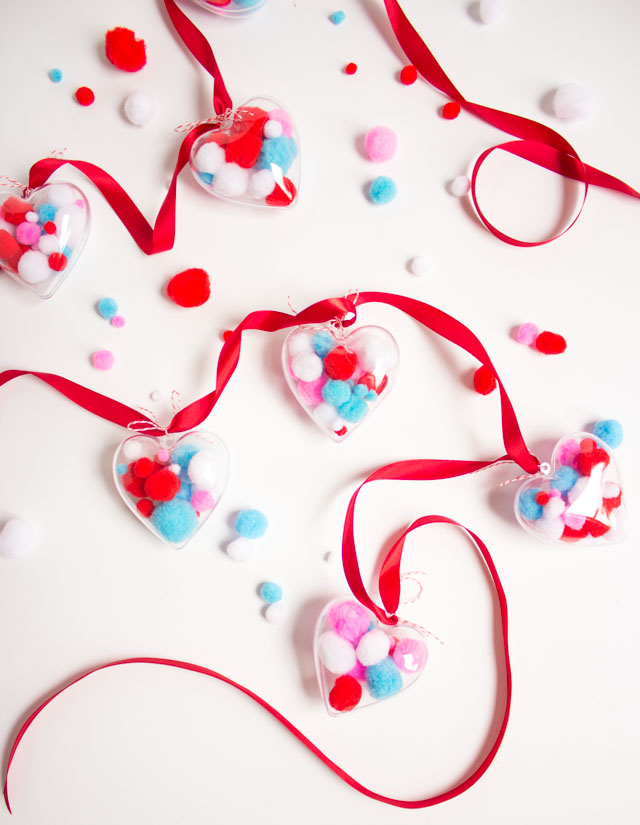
<point>231,8</point>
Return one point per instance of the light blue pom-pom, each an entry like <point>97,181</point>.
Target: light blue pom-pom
<point>372,395</point>
<point>207,177</point>
<point>251,524</point>
<point>336,392</point>
<point>55,75</point>
<point>564,478</point>
<point>46,212</point>
<point>337,17</point>
<point>279,152</point>
<point>360,391</point>
<point>322,343</point>
<point>383,679</point>
<point>183,454</point>
<point>67,252</point>
<point>184,492</point>
<point>246,4</point>
<point>528,506</point>
<point>271,592</point>
<point>175,520</point>
<point>121,469</point>
<point>382,190</point>
<point>610,431</point>
<point>107,308</point>
<point>354,410</point>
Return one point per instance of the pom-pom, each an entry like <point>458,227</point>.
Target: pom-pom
<point>183,454</point>
<point>337,17</point>
<point>353,410</point>
<point>274,613</point>
<point>85,96</point>
<point>231,181</point>
<point>563,479</point>
<point>124,50</point>
<point>408,75</point>
<point>103,359</point>
<point>145,507</point>
<point>59,194</point>
<point>261,184</point>
<point>306,366</point>
<point>345,694</point>
<point>279,152</point>
<point>27,233</point>
<point>588,460</point>
<point>33,267</point>
<point>55,75</point>
<point>162,456</point>
<point>252,524</point>
<point>244,150</point>
<point>310,392</point>
<point>143,467</point>
<point>14,210</point>
<point>573,102</point>
<point>273,129</point>
<point>16,538</point>
<point>336,653</point>
<point>373,647</point>
<point>282,195</point>
<point>526,334</point>
<point>421,265</point>
<point>336,392</point>
<point>553,508</point>
<point>57,261</point>
<point>139,108</point>
<point>450,110</point>
<point>162,485</point>
<point>284,119</point>
<point>351,68</point>
<point>190,288</point>
<point>551,528</point>
<point>323,343</point>
<point>384,679</point>
<point>340,363</point>
<point>209,157</point>
<point>240,549</point>
<point>410,655</point>
<point>382,190</point>
<point>484,381</point>
<point>550,343</point>
<point>326,415</point>
<point>202,469</point>
<point>380,144</point>
<point>349,620</point>
<point>528,505</point>
<point>271,592</point>
<point>460,186</point>
<point>610,431</point>
<point>107,308</point>
<point>300,343</point>
<point>48,244</point>
<point>176,520</point>
<point>375,354</point>
<point>490,11</point>
<point>118,321</point>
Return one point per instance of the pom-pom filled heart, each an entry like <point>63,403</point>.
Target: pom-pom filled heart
<point>172,486</point>
<point>42,235</point>
<point>580,500</point>
<point>359,662</point>
<point>231,8</point>
<point>339,379</point>
<point>252,156</point>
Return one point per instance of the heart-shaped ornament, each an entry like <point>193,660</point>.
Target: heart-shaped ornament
<point>579,500</point>
<point>172,485</point>
<point>338,378</point>
<point>42,235</point>
<point>231,8</point>
<point>359,662</point>
<point>253,156</point>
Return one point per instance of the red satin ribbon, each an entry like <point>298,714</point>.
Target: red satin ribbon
<point>539,144</point>
<point>340,772</point>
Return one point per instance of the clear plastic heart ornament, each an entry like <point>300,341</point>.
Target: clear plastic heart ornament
<point>339,378</point>
<point>42,235</point>
<point>231,8</point>
<point>253,156</point>
<point>360,662</point>
<point>172,485</point>
<point>579,500</point>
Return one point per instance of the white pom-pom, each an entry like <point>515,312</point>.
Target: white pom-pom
<point>336,653</point>
<point>460,186</point>
<point>139,108</point>
<point>300,342</point>
<point>553,508</point>
<point>48,244</point>
<point>421,265</point>
<point>275,613</point>
<point>33,267</point>
<point>374,353</point>
<point>241,549</point>
<point>156,395</point>
<point>307,366</point>
<point>16,538</point>
<point>261,184</point>
<point>373,647</point>
<point>209,158</point>
<point>133,449</point>
<point>325,414</point>
<point>32,217</point>
<point>176,469</point>
<point>231,180</point>
<point>490,11</point>
<point>202,469</point>
<point>59,194</point>
<point>273,129</point>
<point>573,102</point>
<point>552,528</point>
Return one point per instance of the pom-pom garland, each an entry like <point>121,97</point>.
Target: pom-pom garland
<point>124,50</point>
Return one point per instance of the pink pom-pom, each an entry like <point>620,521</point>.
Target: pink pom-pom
<point>359,672</point>
<point>380,144</point>
<point>103,359</point>
<point>202,501</point>
<point>349,620</point>
<point>282,117</point>
<point>410,655</point>
<point>27,233</point>
<point>163,456</point>
<point>526,334</point>
<point>568,452</point>
<point>310,392</point>
<point>118,321</point>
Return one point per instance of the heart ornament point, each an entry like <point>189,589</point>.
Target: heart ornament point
<point>42,235</point>
<point>339,378</point>
<point>579,500</point>
<point>172,485</point>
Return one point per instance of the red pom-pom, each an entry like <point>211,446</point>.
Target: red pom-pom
<point>280,197</point>
<point>50,228</point>
<point>340,363</point>
<point>408,75</point>
<point>162,485</point>
<point>57,261</point>
<point>145,507</point>
<point>227,334</point>
<point>569,534</point>
<point>351,68</point>
<point>451,110</point>
<point>13,210</point>
<point>542,497</point>
<point>345,694</point>
<point>143,467</point>
<point>341,431</point>
<point>190,288</point>
<point>9,247</point>
<point>596,527</point>
<point>612,503</point>
<point>550,343</point>
<point>587,461</point>
<point>85,96</point>
<point>124,51</point>
<point>132,484</point>
<point>249,119</point>
<point>484,381</point>
<point>244,150</point>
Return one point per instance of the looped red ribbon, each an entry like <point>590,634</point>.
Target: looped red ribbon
<point>538,143</point>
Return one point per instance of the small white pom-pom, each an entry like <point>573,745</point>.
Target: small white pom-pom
<point>375,353</point>
<point>573,102</point>
<point>273,129</point>
<point>241,549</point>
<point>32,217</point>
<point>202,469</point>
<point>48,244</point>
<point>552,528</point>
<point>261,184</point>
<point>421,265</point>
<point>16,538</point>
<point>490,11</point>
<point>59,194</point>
<point>325,414</point>
<point>156,395</point>
<point>231,180</point>
<point>373,647</point>
<point>139,108</point>
<point>175,469</point>
<point>33,267</point>
<point>300,342</point>
<point>306,366</point>
<point>275,613</point>
<point>133,449</point>
<point>577,490</point>
<point>209,158</point>
<point>336,653</point>
<point>553,508</point>
<point>460,186</point>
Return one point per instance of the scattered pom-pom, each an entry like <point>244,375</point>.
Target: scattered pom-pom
<point>274,613</point>
<point>526,334</point>
<point>490,11</point>
<point>55,75</point>
<point>450,110</point>
<point>16,538</point>
<point>139,108</point>
<point>103,359</point>
<point>84,96</point>
<point>240,549</point>
<point>373,647</point>
<point>610,431</point>
<point>408,75</point>
<point>162,485</point>
<point>351,68</point>
<point>550,343</point>
<point>336,654</point>
<point>251,524</point>
<point>380,143</point>
<point>337,17</point>
<point>107,308</point>
<point>421,265</point>
<point>460,186</point>
<point>190,288</point>
<point>271,592</point>
<point>118,321</point>
<point>349,620</point>
<point>176,520</point>
<point>345,694</point>
<point>382,190</point>
<point>410,655</point>
<point>124,51</point>
<point>484,381</point>
<point>384,679</point>
<point>573,102</point>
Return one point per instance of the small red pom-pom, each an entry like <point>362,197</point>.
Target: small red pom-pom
<point>145,507</point>
<point>542,497</point>
<point>162,485</point>
<point>280,197</point>
<point>124,51</point>
<point>484,381</point>
<point>132,484</point>
<point>227,334</point>
<point>85,96</point>
<point>596,527</point>
<point>342,431</point>
<point>190,288</point>
<point>244,150</point>
<point>50,228</point>
<point>587,445</point>
<point>13,210</point>
<point>8,245</point>
<point>143,467</point>
<point>408,75</point>
<point>340,363</point>
<point>345,694</point>
<point>585,462</point>
<point>57,261</point>
<point>550,343</point>
<point>451,110</point>
<point>569,534</point>
<point>351,68</point>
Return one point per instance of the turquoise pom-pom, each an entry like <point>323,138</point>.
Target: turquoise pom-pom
<point>279,152</point>
<point>207,177</point>
<point>121,469</point>
<point>564,478</point>
<point>55,75</point>
<point>382,190</point>
<point>372,395</point>
<point>252,524</point>
<point>354,410</point>
<point>175,520</point>
<point>383,679</point>
<point>271,592</point>
<point>337,17</point>
<point>184,492</point>
<point>360,391</point>
<point>46,212</point>
<point>528,506</point>
<point>322,343</point>
<point>336,392</point>
<point>183,454</point>
<point>610,431</point>
<point>107,308</point>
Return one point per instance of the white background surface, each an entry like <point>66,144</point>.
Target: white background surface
<point>140,744</point>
